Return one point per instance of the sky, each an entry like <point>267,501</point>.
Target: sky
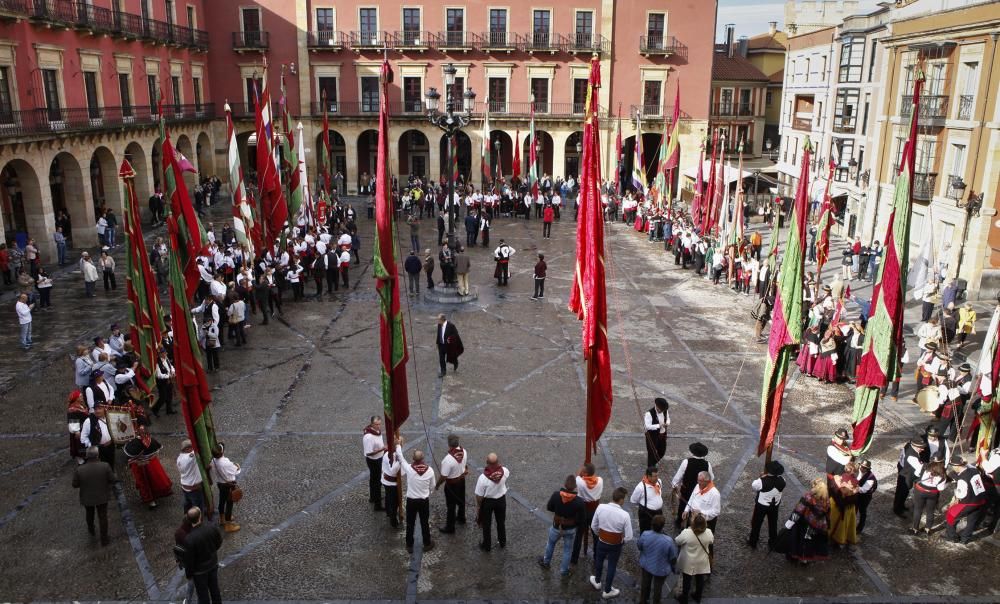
<point>751,16</point>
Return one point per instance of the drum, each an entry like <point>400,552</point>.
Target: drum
<point>927,399</point>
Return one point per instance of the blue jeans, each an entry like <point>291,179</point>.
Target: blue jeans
<point>26,334</point>
<point>195,499</point>
<point>61,249</point>
<point>611,553</point>
<point>567,535</point>
<point>110,236</point>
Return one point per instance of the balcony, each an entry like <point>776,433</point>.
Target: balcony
<point>923,186</point>
<point>498,41</point>
<point>844,124</point>
<point>412,40</point>
<point>658,44</point>
<point>732,109</point>
<point>44,121</point>
<point>14,9</point>
<point>802,123</point>
<point>414,109</point>
<point>455,40</point>
<point>370,40</point>
<point>932,107</point>
<point>247,111</point>
<point>539,41</point>
<point>258,41</point>
<point>584,43</point>
<point>326,40</point>
<point>966,106</point>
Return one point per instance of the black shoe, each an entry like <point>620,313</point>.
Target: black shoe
<point>428,547</point>
<point>446,531</point>
<point>460,520</point>
<point>90,529</point>
<point>409,548</point>
<point>541,562</point>
<point>379,508</point>
<point>484,547</point>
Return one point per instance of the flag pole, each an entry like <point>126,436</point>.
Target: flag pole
<point>590,445</point>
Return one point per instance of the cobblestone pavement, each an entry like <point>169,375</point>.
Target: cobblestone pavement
<point>291,405</point>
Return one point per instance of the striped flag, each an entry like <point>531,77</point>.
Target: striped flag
<point>658,189</point>
<point>825,222</point>
<point>988,371</point>
<point>532,156</point>
<point>290,158</point>
<point>698,202</point>
<point>243,222</point>
<point>736,224</point>
<point>392,337</point>
<point>673,158</point>
<point>884,332</point>
<point>272,200</point>
<point>325,159</point>
<point>638,167</point>
<point>786,318</point>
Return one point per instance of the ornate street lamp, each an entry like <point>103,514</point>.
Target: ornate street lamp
<point>453,119</point>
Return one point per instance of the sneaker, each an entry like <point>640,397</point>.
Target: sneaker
<point>611,594</point>
<point>594,583</point>
<point>543,563</point>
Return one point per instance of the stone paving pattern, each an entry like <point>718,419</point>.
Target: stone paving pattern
<point>291,405</point>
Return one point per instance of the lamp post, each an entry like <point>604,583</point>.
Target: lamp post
<point>450,121</point>
<point>756,178</point>
<point>498,147</point>
<point>972,206</point>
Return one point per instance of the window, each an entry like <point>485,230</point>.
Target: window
<point>540,92</point>
<point>871,60</point>
<point>767,98</point>
<point>412,95</point>
<point>6,101</point>
<point>153,97</point>
<point>90,88</point>
<point>324,19</point>
<point>966,100</point>
<point>50,83</point>
<point>579,95</point>
<point>253,89</point>
<point>126,94</point>
<point>369,94</point>
<point>196,85</point>
<point>846,110</point>
<point>584,29</point>
<point>802,115</point>
<point>328,90</point>
<point>655,29</point>
<point>852,56</point>
<point>191,17</point>
<point>808,69</point>
<point>175,91</point>
<point>458,90</point>
<point>411,26</point>
<point>252,36</point>
<point>541,29</point>
<point>651,97</point>
<point>498,95</point>
<point>169,7</point>
<point>864,117</point>
<point>745,102</point>
<point>455,23</point>
<point>498,27</point>
<point>368,23</point>
<point>844,150</point>
<point>726,101</point>
<point>957,169</point>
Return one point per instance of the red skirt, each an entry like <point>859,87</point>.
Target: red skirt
<point>152,482</point>
<point>825,368</point>
<point>637,225</point>
<point>805,361</point>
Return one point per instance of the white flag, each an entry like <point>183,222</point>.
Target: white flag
<point>923,267</point>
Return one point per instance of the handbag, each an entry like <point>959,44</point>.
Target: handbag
<point>710,552</point>
<point>236,494</point>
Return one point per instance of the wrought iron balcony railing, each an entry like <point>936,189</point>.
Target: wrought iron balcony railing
<point>733,109</point>
<point>250,40</point>
<point>932,107</point>
<point>51,121</point>
<point>966,105</point>
<point>658,44</point>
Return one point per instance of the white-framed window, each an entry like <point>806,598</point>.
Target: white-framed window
<point>454,21</point>
<point>368,25</point>
<point>412,19</point>
<point>498,25</point>
<point>656,29</point>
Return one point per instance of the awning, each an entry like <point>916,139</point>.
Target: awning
<point>730,174</point>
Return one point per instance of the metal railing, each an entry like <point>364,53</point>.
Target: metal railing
<point>412,39</point>
<point>248,111</point>
<point>649,111</point>
<point>251,39</point>
<point>802,123</point>
<point>923,185</point>
<point>327,39</point>
<point>44,120</point>
<point>658,44</point>
<point>498,40</point>
<point>584,42</point>
<point>455,39</point>
<point>932,107</point>
<point>415,109</point>
<point>966,105</point>
<point>370,39</point>
<point>844,124</point>
<point>537,41</point>
<point>733,109</point>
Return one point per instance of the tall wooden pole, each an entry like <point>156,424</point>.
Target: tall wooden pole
<point>589,421</point>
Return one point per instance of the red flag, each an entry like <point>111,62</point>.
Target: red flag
<point>825,222</point>
<point>588,297</point>
<point>709,201</point>
<point>185,164</point>
<point>517,155</point>
<point>699,188</point>
<point>272,200</point>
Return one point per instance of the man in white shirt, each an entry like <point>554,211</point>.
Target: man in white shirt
<point>648,499</point>
<point>374,449</point>
<point>390,481</point>
<point>24,319</point>
<point>105,447</point>
<point>613,526</point>
<point>656,421</point>
<point>705,500</point>
<point>589,488</point>
<point>453,471</point>
<point>187,467</point>
<point>491,500</point>
<point>419,481</point>
<point>502,256</point>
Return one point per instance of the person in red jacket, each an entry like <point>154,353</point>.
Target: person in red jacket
<point>548,215</point>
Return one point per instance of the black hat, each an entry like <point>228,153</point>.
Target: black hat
<point>933,431</point>
<point>918,443</point>
<point>931,346</point>
<point>957,460</point>
<point>698,449</point>
<point>661,403</point>
<point>774,468</point>
<point>965,367</point>
<point>866,463</point>
<point>842,434</point>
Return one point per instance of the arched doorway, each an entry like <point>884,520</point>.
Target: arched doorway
<point>502,151</point>
<point>137,157</point>
<point>573,149</point>
<point>66,187</point>
<point>21,205</point>
<point>105,189</point>
<point>156,164</point>
<point>367,156</point>
<point>338,151</point>
<point>544,154</point>
<point>203,148</point>
<point>248,157</point>
<point>414,154</point>
<point>463,146</point>
<point>184,148</point>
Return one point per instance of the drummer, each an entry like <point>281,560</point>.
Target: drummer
<point>928,366</point>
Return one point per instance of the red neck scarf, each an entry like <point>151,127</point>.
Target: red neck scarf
<point>654,484</point>
<point>419,467</point>
<point>458,453</point>
<point>567,496</point>
<point>493,472</point>
<point>590,481</point>
<point>370,430</point>
<point>708,487</point>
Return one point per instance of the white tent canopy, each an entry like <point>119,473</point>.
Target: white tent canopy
<point>730,174</point>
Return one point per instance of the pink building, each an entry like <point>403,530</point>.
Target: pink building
<point>63,71</point>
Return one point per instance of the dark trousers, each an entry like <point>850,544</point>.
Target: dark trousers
<point>578,540</point>
<point>331,280</point>
<point>226,502</point>
<point>686,496</point>
<point>494,508</point>
<point>648,581</point>
<point>926,310</point>
<point>864,499</point>
<point>109,281</point>
<point>470,238</point>
<point>207,586</point>
<point>212,358</point>
<point>539,288</point>
<point>972,517</point>
<point>195,498</point>
<point>504,273</point>
<point>454,498</point>
<point>238,333</point>
<point>699,585</point>
<point>392,504</point>
<point>415,508</point>
<point>345,277</point>
<point>443,357</point>
<point>165,390</point>
<point>430,279</point>
<point>924,504</point>
<point>902,492</point>
<point>646,517</point>
<point>605,552</point>
<point>102,519</point>
<point>374,480</point>
<point>45,293</point>
<point>106,453</point>
<point>656,447</point>
<point>546,229</point>
<point>760,512</point>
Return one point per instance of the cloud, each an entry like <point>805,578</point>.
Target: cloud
<point>750,19</point>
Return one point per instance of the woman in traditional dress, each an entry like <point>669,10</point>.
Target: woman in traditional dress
<point>150,479</point>
<point>825,366</point>
<point>809,350</point>
<point>76,413</point>
<point>855,338</point>
<point>843,489</point>
<point>808,525</point>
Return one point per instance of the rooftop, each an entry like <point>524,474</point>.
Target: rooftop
<point>768,41</point>
<point>735,68</point>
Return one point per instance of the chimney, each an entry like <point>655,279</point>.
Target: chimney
<point>743,45</point>
<point>772,28</point>
<point>730,33</point>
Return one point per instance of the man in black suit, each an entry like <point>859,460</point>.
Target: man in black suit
<point>449,344</point>
<point>201,559</point>
<point>440,224</point>
<point>94,479</point>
